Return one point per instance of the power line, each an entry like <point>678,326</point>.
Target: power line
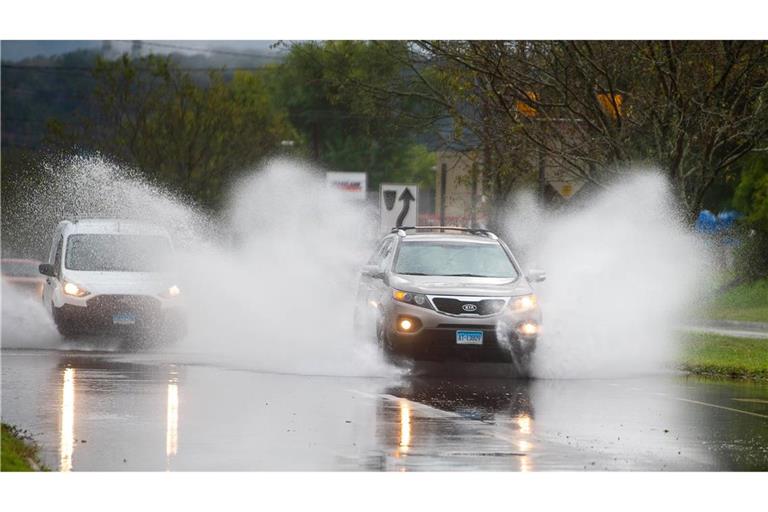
<point>208,50</point>
<point>89,69</point>
<point>44,69</point>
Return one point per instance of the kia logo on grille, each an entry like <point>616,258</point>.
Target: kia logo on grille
<point>469,308</point>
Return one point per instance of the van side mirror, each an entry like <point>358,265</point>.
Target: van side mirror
<point>536,276</point>
<point>47,269</point>
<point>372,271</point>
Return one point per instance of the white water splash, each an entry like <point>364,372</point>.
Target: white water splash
<point>622,272</point>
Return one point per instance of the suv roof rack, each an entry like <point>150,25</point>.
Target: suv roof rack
<point>402,230</point>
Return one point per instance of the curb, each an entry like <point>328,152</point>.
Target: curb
<point>734,324</point>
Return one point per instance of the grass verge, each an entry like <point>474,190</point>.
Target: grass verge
<point>745,303</point>
<point>18,452</point>
<point>712,354</point>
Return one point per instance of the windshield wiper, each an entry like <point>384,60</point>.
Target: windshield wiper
<point>413,274</point>
<point>464,275</point>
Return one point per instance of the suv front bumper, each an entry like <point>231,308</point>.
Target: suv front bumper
<point>435,337</point>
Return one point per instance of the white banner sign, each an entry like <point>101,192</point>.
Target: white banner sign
<point>352,183</point>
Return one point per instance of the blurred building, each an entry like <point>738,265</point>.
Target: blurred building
<point>459,195</point>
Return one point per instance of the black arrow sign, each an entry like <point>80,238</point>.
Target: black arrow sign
<point>406,197</point>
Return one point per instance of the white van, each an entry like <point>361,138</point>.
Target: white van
<point>112,276</point>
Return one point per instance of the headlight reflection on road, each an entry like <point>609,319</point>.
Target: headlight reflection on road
<point>525,459</point>
<point>405,427</point>
<point>67,438</point>
<point>524,423</point>
<point>172,419</point>
<point>523,445</point>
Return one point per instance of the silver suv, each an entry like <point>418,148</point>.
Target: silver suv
<point>437,293</point>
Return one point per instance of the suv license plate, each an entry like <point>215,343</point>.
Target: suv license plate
<point>469,337</point>
<point>123,319</point>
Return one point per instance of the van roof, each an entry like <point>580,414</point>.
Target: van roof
<point>112,226</point>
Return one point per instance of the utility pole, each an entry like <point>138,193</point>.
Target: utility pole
<point>542,177</point>
<point>443,178</point>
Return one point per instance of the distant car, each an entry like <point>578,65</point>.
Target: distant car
<point>437,293</point>
<point>112,276</point>
<point>23,273</point>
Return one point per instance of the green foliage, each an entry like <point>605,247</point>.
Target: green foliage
<point>18,450</point>
<point>41,89</point>
<point>751,255</point>
<point>336,95</point>
<point>194,137</point>
<point>195,131</point>
<point>751,197</point>
<point>746,302</point>
<point>721,355</point>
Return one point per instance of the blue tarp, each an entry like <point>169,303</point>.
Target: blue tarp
<point>721,224</point>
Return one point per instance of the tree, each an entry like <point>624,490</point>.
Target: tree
<point>331,92</point>
<point>751,197</point>
<point>694,108</point>
<point>192,136</point>
<point>454,100</point>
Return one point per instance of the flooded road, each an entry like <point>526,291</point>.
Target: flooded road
<point>104,411</point>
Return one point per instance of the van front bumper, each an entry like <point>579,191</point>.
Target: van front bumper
<point>121,313</point>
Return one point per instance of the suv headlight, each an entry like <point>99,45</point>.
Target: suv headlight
<point>523,303</point>
<point>417,299</point>
<point>74,290</point>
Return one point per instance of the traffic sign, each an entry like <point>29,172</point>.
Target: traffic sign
<point>398,205</point>
<point>565,183</point>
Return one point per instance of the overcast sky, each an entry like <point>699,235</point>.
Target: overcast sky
<point>16,50</point>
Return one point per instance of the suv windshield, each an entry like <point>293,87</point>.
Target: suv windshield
<point>454,259</point>
<point>118,253</point>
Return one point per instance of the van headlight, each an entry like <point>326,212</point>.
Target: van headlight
<point>417,299</point>
<point>74,290</point>
<point>523,303</point>
<point>171,292</point>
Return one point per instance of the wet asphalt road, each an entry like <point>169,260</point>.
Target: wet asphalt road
<point>103,411</point>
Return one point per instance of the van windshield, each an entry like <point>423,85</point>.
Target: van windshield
<point>118,253</point>
<point>454,259</point>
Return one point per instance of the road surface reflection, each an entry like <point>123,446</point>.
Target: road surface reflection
<point>116,411</point>
<point>172,420</point>
<point>67,424</point>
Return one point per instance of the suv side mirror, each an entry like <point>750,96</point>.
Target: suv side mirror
<point>372,271</point>
<point>536,276</point>
<point>47,269</point>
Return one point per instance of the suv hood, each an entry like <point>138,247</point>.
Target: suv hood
<point>448,285</point>
<point>121,283</point>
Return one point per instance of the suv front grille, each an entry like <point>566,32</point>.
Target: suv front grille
<point>482,307</point>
